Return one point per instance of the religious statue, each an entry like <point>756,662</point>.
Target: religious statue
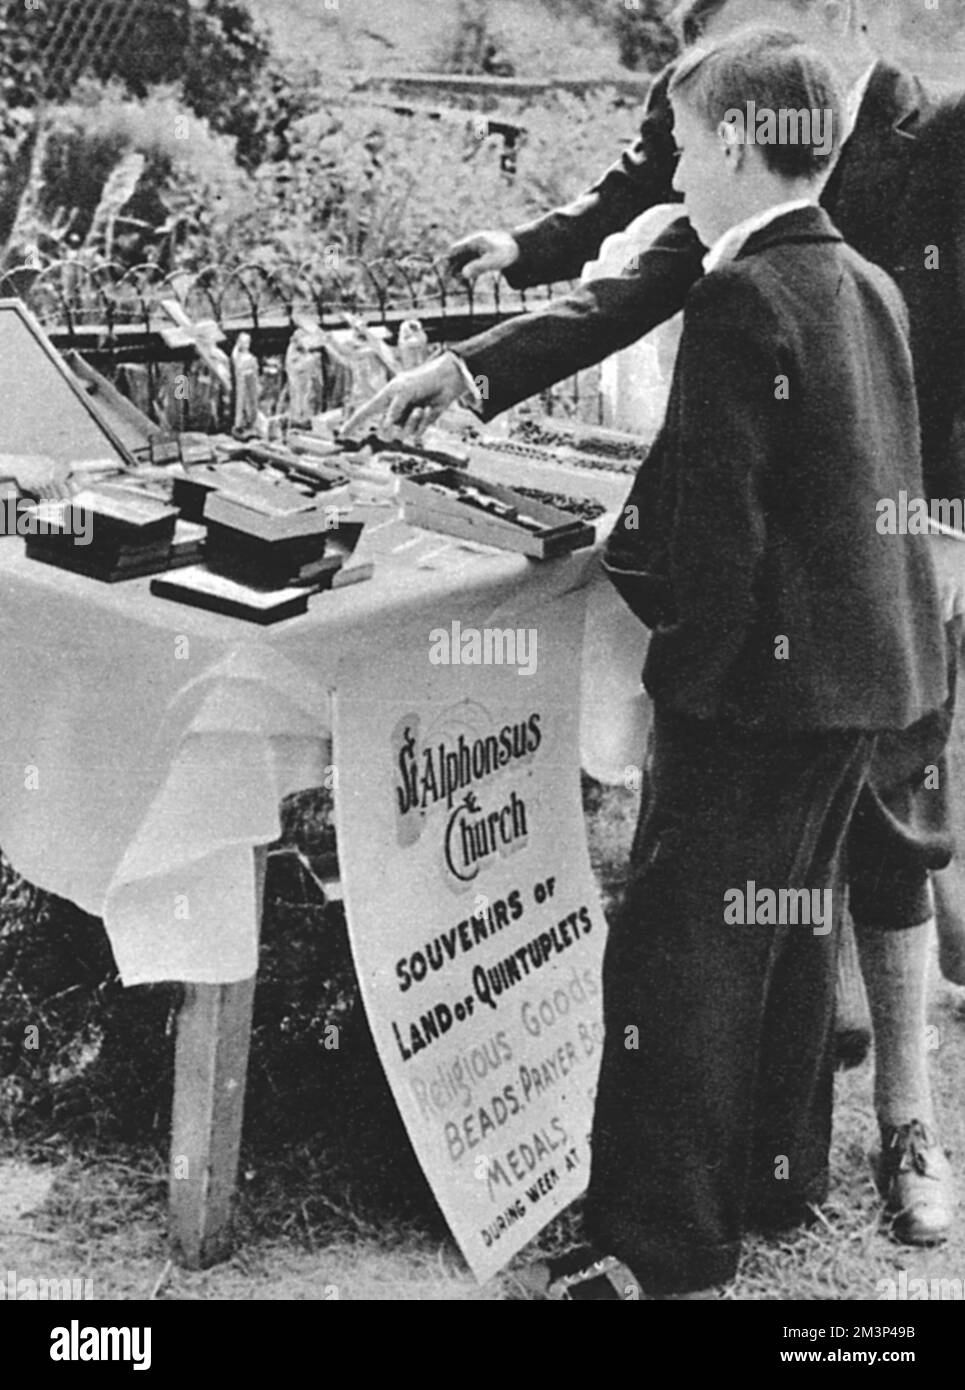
<point>245,366</point>
<point>302,369</point>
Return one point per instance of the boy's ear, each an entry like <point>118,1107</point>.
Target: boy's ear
<point>731,137</point>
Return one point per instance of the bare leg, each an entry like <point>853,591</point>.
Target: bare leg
<point>914,1174</point>
<point>895,969</point>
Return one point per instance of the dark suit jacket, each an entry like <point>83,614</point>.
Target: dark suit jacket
<point>898,190</point>
<point>757,515</point>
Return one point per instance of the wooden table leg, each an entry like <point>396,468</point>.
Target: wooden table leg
<point>211,1066</point>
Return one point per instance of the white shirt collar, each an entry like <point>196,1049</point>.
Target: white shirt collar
<point>726,247</point>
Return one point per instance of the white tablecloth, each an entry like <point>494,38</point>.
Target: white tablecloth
<point>145,745</point>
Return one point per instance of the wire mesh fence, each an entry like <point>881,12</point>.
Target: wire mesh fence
<point>81,35</point>
<point>75,37</point>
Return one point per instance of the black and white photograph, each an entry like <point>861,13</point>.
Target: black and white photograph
<point>482,584</point>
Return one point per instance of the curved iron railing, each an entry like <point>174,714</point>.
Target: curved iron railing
<point>115,316</point>
<point>71,295</point>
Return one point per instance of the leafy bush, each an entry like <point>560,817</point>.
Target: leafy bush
<point>644,37</point>
<point>187,172</point>
<point>374,183</point>
<point>473,44</point>
<point>545,38</point>
<point>213,46</point>
<point>20,80</point>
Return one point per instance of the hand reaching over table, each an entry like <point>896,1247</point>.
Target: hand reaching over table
<point>413,400</point>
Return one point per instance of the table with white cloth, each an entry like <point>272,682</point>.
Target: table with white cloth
<point>145,747</point>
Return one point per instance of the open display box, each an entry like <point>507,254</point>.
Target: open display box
<point>465,505</point>
<point>45,408</point>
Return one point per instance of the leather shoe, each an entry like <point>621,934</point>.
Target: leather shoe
<point>915,1179</point>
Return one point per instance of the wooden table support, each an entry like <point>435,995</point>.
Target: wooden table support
<point>211,1066</point>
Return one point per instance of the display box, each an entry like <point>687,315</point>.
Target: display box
<point>46,410</point>
<point>465,505</point>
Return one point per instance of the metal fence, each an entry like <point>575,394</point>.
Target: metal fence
<point>115,316</point>
<point>75,36</point>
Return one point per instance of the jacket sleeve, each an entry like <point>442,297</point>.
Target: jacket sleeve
<point>525,355</point>
<point>940,351</point>
<point>557,246</point>
<point>722,440</point>
<point>631,555</point>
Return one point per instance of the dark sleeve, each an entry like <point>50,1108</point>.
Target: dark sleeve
<point>725,436</point>
<point>631,555</point>
<point>527,354</point>
<point>939,335</point>
<point>556,247</point>
<point>956,460</point>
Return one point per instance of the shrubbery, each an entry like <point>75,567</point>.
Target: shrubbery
<point>556,37</point>
<point>86,141</point>
<point>376,184</point>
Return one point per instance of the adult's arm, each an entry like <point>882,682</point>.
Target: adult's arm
<point>525,355</point>
<point>556,246</point>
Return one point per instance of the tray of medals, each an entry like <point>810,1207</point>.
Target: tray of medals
<point>548,440</point>
<point>462,504</point>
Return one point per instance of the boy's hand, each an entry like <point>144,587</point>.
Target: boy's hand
<point>474,255</point>
<point>411,401</point>
<point>948,552</point>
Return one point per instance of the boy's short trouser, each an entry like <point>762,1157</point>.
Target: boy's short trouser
<point>902,827</point>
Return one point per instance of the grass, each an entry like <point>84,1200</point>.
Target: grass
<point>332,1203</point>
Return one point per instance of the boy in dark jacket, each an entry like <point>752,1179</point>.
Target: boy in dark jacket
<point>789,635</point>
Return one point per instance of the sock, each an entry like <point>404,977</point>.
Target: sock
<point>895,969</point>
